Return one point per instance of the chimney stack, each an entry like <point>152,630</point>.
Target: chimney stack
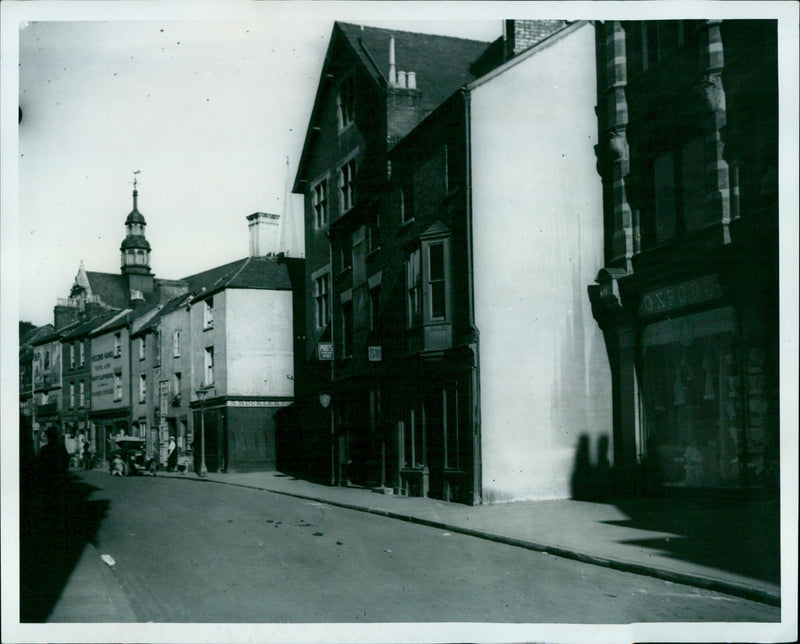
<point>392,70</point>
<point>264,233</point>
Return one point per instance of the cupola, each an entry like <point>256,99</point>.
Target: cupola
<point>135,250</point>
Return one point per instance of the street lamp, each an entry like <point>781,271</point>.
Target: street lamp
<point>201,395</point>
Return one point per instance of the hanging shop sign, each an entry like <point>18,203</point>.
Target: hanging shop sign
<point>676,296</point>
<point>374,354</point>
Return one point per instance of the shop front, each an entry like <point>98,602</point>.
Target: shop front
<point>695,366</point>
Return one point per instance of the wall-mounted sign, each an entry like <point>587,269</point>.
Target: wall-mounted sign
<point>676,296</point>
<point>325,351</point>
<point>374,354</point>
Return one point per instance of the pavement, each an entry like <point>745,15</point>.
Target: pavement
<point>728,546</point>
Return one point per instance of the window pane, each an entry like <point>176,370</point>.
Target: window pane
<point>438,309</point>
<point>437,261</point>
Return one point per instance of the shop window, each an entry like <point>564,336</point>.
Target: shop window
<point>452,447</point>
<point>321,308</point>
<point>346,102</point>
<point>414,438</point>
<point>695,401</point>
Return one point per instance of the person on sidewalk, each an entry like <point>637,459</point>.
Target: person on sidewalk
<point>53,468</point>
<point>172,455</point>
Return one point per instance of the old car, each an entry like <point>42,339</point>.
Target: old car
<point>131,451</point>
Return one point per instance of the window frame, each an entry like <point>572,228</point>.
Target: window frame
<point>320,201</point>
<point>208,366</point>
<point>176,343</point>
<point>82,393</point>
<point>322,287</point>
<point>208,313</point>
<point>81,353</point>
<point>346,103</point>
<point>142,387</point>
<point>346,178</point>
<point>142,348</point>
<point>347,329</point>
<point>117,345</point>
<point>117,387</point>
<point>72,395</point>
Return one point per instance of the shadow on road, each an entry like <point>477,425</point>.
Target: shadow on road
<point>740,536</point>
<point>54,529</point>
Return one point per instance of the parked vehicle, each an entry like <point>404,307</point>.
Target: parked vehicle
<point>131,451</point>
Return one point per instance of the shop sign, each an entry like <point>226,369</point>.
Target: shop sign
<point>688,328</point>
<point>676,296</point>
<point>374,354</point>
<point>325,351</point>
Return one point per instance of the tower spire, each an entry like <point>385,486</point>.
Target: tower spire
<point>135,191</point>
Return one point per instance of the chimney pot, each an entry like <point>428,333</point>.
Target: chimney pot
<point>411,78</point>
<point>401,79</point>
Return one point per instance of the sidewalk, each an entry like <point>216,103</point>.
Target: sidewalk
<point>730,547</point>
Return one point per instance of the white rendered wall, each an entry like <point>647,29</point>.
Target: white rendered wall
<point>260,356</point>
<point>538,243</point>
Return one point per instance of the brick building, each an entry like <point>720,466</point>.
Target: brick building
<point>464,366</point>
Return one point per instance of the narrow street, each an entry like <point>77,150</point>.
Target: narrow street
<point>197,551</point>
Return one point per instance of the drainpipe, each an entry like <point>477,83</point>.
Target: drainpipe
<point>477,477</point>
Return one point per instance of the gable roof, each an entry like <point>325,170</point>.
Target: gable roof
<point>442,64</point>
<point>110,287</point>
<point>170,307</point>
<point>250,272</point>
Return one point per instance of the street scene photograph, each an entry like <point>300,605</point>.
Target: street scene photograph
<point>399,322</point>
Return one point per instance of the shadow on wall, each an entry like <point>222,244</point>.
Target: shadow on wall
<point>591,478</point>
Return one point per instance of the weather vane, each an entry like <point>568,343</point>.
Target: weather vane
<point>135,178</point>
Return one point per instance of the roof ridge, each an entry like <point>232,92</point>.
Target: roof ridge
<point>406,31</point>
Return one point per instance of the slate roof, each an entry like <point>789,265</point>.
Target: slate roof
<point>84,328</point>
<point>33,335</point>
<point>250,272</point>
<point>112,288</point>
<point>169,307</point>
<point>441,63</point>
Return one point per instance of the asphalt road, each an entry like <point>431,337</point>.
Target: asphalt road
<point>196,551</point>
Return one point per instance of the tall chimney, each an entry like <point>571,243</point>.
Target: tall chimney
<point>392,70</point>
<point>264,233</point>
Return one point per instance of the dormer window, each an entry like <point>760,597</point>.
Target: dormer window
<point>346,102</point>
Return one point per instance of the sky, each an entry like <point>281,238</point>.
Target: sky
<point>207,111</point>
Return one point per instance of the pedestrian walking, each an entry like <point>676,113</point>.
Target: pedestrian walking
<point>172,455</point>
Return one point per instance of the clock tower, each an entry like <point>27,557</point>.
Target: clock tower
<point>135,253</point>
